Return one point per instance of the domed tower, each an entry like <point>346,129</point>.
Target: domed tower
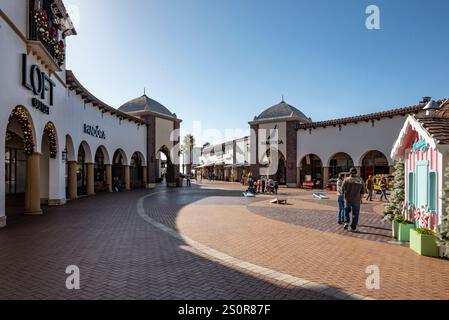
<point>274,143</point>
<point>163,141</point>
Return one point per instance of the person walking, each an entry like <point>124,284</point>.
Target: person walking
<point>353,191</point>
<point>264,181</point>
<point>369,187</point>
<point>189,182</point>
<point>340,199</point>
<point>383,189</point>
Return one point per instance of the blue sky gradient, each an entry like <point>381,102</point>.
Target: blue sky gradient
<point>222,62</point>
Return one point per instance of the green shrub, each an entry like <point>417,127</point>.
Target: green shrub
<point>425,231</point>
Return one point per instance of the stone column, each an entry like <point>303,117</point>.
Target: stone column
<point>325,176</point>
<point>32,185</point>
<point>127,179</point>
<point>109,177</point>
<point>291,161</point>
<point>359,171</point>
<point>144,176</point>
<point>73,189</point>
<point>2,222</point>
<point>90,179</point>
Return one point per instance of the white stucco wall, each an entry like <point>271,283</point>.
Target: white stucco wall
<point>354,139</point>
<point>69,113</point>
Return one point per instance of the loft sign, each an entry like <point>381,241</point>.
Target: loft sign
<point>39,83</point>
<point>94,131</point>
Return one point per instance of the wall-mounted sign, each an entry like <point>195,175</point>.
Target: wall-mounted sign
<point>42,107</point>
<point>94,131</point>
<point>38,82</point>
<point>420,144</point>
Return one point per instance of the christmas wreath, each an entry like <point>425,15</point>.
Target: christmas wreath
<point>49,35</point>
<point>21,115</point>
<point>50,131</point>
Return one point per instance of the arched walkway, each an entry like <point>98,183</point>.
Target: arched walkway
<point>374,163</point>
<point>22,181</point>
<point>71,169</point>
<point>166,169</point>
<point>311,172</point>
<point>85,170</point>
<point>102,171</point>
<point>120,171</point>
<point>340,162</point>
<point>274,165</point>
<point>138,171</point>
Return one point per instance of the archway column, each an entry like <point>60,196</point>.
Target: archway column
<point>359,170</point>
<point>32,185</point>
<point>325,176</point>
<point>109,177</point>
<point>127,178</point>
<point>144,176</point>
<point>90,179</point>
<point>73,191</point>
<point>392,169</point>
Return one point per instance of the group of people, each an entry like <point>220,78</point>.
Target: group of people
<point>370,188</point>
<point>350,192</point>
<point>262,185</point>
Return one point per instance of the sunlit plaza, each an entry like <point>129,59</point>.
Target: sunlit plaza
<point>109,193</point>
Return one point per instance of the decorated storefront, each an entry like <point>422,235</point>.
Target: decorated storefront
<point>57,140</point>
<point>423,146</point>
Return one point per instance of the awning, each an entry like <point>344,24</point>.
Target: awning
<point>204,166</point>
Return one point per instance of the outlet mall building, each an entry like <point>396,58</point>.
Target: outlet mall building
<point>58,141</point>
<point>309,151</point>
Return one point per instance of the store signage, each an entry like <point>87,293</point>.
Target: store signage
<point>38,82</point>
<point>420,144</point>
<point>94,131</point>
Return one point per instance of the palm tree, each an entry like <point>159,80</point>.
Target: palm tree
<point>187,146</point>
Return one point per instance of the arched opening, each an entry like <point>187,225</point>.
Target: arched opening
<point>49,150</point>
<point>374,163</point>
<point>21,166</point>
<point>165,170</point>
<point>118,166</point>
<point>81,172</point>
<point>276,158</point>
<point>136,171</point>
<point>340,162</point>
<point>311,172</point>
<point>70,168</point>
<point>100,173</point>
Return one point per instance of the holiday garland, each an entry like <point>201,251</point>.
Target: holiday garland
<point>49,35</point>
<point>21,115</point>
<point>50,131</point>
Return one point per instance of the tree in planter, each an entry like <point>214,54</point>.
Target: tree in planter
<point>395,207</point>
<point>443,228</point>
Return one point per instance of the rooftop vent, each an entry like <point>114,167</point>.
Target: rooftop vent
<point>430,107</point>
<point>426,99</point>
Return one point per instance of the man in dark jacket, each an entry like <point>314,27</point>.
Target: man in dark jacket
<point>353,191</point>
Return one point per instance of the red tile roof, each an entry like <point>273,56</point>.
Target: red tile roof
<point>367,117</point>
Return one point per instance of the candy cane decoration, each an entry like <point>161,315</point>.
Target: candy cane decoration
<point>417,214</point>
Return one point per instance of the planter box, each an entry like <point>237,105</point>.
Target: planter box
<point>395,229</point>
<point>404,231</point>
<point>424,245</point>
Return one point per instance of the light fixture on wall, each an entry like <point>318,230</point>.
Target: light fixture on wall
<point>64,154</point>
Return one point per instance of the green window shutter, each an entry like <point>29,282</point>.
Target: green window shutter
<point>411,188</point>
<point>432,190</point>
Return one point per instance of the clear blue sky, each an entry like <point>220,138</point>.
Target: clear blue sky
<point>224,61</point>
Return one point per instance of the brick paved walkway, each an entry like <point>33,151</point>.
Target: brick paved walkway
<point>120,257</point>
